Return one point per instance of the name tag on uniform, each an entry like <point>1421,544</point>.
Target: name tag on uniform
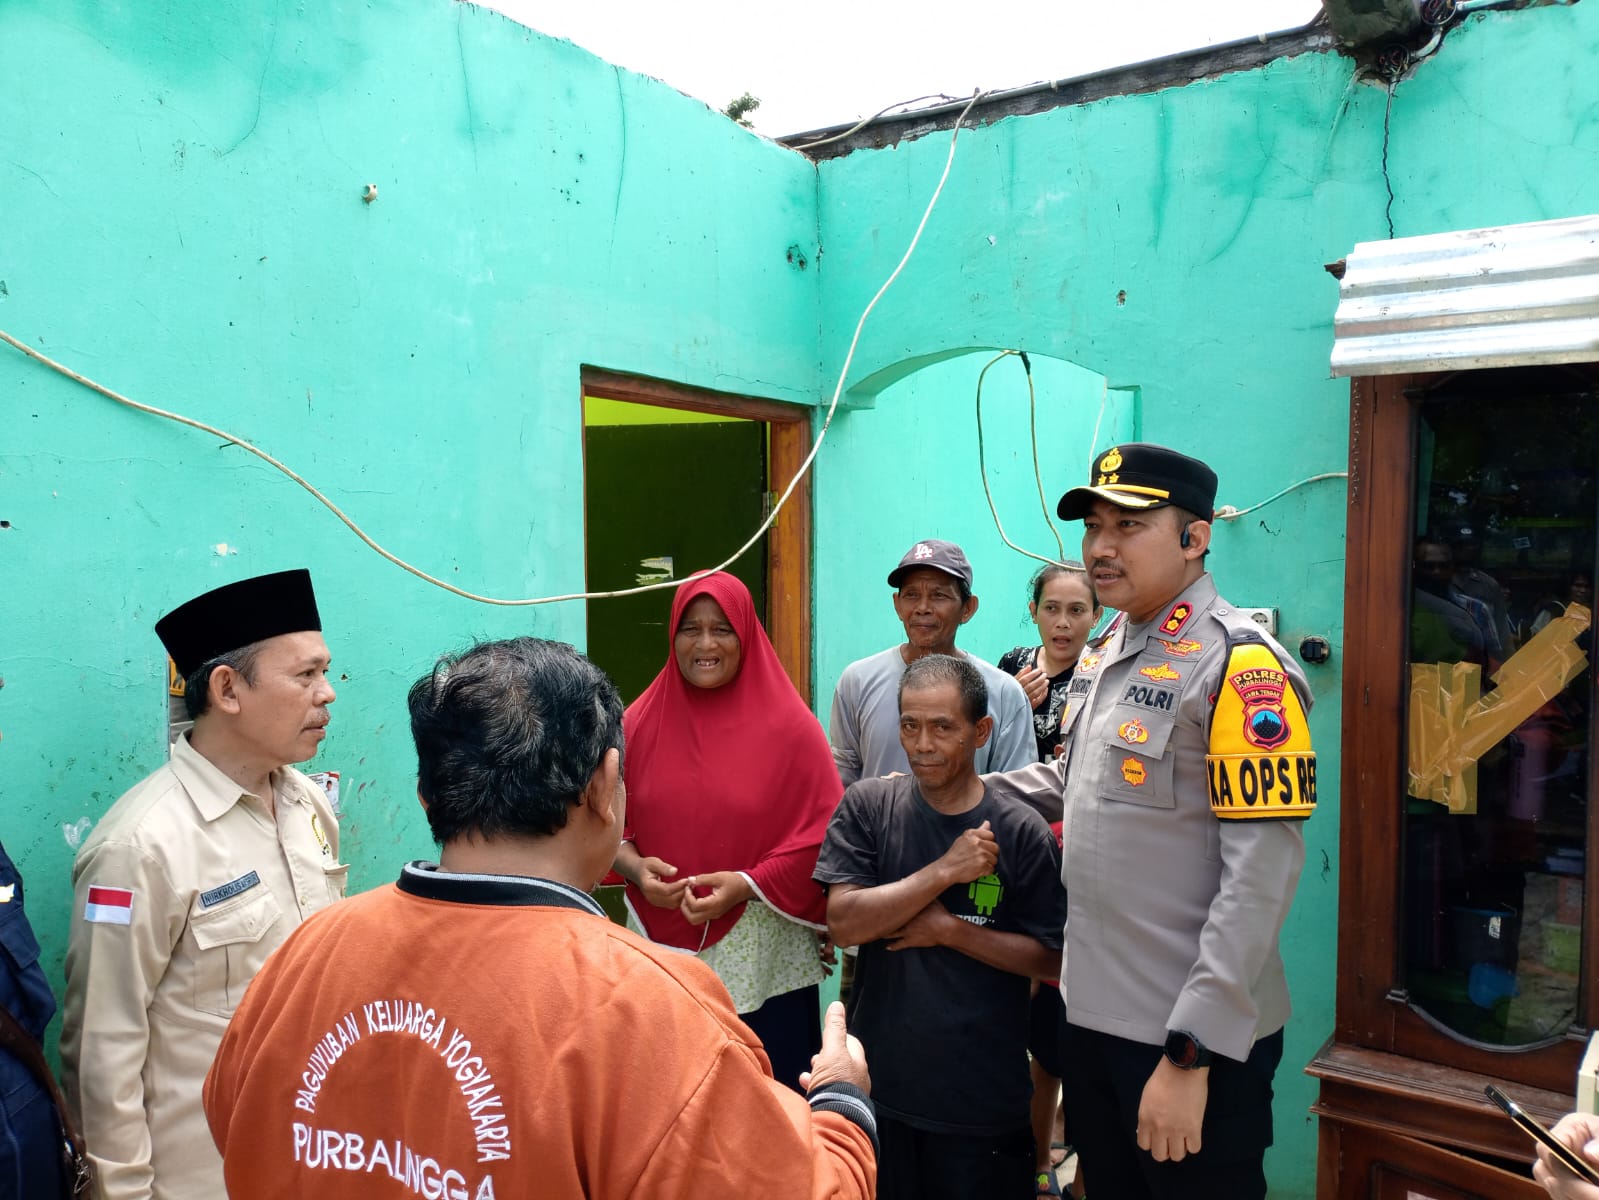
<point>1161,699</point>
<point>229,890</point>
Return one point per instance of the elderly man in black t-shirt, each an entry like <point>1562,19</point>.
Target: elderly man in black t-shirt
<point>954,896</point>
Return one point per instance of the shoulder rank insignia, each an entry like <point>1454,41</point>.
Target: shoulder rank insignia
<point>1260,764</point>
<point>1177,618</point>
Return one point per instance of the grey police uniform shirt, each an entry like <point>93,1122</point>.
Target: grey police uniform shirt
<point>864,724</point>
<point>1173,915</point>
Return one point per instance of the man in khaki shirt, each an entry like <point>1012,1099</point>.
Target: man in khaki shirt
<point>192,879</point>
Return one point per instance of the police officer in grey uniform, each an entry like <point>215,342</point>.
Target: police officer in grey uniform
<point>1186,772</point>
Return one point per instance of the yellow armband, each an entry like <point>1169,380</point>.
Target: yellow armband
<point>1260,764</point>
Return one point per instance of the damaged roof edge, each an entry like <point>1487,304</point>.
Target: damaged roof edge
<point>1157,74</point>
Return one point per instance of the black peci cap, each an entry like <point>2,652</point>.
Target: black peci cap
<point>236,615</point>
<point>1143,475</point>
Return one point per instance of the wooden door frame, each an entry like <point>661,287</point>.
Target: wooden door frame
<point>788,542</point>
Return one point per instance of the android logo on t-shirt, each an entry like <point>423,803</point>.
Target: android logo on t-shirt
<point>985,893</point>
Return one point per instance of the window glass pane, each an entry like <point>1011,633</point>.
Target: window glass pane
<point>1500,693</point>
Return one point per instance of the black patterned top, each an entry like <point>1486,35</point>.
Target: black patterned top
<point>1049,711</point>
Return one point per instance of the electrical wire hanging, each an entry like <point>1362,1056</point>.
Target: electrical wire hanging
<point>1228,513</point>
<point>862,124</point>
<point>1038,475</point>
<point>765,525</point>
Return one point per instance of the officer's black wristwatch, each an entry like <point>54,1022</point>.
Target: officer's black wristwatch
<point>1184,1051</point>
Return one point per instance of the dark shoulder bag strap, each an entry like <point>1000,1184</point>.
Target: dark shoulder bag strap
<point>74,1159</point>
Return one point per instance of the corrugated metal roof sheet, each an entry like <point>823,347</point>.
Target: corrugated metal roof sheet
<point>1517,294</point>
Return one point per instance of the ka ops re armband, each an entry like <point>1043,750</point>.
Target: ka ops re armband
<point>1260,764</point>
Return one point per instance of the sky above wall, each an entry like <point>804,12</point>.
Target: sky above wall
<point>829,62</point>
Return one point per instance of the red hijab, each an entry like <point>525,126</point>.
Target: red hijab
<point>735,778</point>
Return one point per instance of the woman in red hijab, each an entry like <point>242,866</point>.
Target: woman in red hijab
<point>730,786</point>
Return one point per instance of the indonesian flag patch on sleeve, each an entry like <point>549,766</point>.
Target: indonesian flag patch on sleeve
<point>1260,764</point>
<point>109,906</point>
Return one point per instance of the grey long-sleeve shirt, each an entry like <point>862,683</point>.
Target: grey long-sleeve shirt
<point>864,725</point>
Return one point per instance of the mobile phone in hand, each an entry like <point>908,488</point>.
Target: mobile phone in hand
<point>1574,1162</point>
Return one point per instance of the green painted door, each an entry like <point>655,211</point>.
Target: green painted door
<point>665,499</point>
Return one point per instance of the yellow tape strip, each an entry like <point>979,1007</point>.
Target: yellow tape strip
<point>1452,726</point>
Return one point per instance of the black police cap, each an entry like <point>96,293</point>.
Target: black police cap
<point>1143,475</point>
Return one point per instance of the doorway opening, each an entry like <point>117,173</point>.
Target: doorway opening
<point>674,480</point>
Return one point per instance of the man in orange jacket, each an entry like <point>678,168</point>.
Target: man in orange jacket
<point>479,1029</point>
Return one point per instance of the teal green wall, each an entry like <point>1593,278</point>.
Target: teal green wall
<point>180,216</point>
<point>907,469</point>
<point>1174,243</point>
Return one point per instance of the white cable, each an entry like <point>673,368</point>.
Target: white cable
<point>862,124</point>
<point>450,587</point>
<point>1104,398</point>
<point>1228,513</point>
<point>982,468</point>
<point>1038,471</point>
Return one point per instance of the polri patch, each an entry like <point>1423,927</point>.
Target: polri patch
<point>1133,732</point>
<point>1160,699</point>
<point>1177,618</point>
<point>229,890</point>
<point>1261,689</point>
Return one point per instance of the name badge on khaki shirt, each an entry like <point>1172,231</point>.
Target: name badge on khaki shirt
<point>229,890</point>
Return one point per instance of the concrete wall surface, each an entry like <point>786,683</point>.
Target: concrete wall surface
<point>181,217</point>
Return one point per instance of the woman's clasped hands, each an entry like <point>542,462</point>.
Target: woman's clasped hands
<point>700,898</point>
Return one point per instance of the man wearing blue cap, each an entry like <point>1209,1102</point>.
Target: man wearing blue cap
<point>1187,769</point>
<point>191,879</point>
